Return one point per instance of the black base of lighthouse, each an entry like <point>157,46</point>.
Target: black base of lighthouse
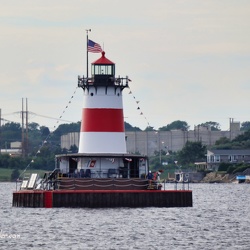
<point>103,198</point>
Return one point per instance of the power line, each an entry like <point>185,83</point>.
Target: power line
<point>34,114</point>
<point>53,118</point>
<point>50,134</point>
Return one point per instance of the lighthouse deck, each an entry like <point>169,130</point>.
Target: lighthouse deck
<point>101,193</point>
<point>118,183</point>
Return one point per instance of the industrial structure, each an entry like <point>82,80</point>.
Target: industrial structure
<point>147,142</point>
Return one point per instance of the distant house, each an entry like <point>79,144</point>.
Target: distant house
<point>201,166</point>
<point>16,145</point>
<point>233,156</point>
<point>14,150</point>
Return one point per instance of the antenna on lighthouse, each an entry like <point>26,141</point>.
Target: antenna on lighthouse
<point>87,32</point>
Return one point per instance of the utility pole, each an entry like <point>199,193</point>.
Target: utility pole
<point>230,127</point>
<point>0,131</point>
<point>26,134</point>
<point>23,142</point>
<point>24,115</point>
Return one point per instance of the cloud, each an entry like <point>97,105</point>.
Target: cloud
<point>188,60</point>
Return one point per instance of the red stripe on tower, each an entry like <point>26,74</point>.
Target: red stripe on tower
<point>102,120</point>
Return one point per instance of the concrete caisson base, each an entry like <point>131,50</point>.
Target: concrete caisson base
<point>103,198</point>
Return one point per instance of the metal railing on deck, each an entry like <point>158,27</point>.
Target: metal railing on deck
<point>110,184</point>
<point>56,182</point>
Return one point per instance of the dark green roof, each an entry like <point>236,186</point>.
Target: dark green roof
<point>230,151</point>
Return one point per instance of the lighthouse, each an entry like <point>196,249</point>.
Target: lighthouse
<point>102,173</point>
<point>102,146</point>
<point>102,125</point>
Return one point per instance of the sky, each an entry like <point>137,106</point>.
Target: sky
<point>188,60</point>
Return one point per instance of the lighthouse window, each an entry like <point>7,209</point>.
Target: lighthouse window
<point>103,69</point>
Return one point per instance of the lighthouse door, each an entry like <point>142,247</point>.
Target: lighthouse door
<point>72,166</point>
<point>134,169</point>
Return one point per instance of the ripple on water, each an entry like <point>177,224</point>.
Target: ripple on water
<point>219,219</point>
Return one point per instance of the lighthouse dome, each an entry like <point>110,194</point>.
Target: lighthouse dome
<point>103,71</point>
<point>102,60</point>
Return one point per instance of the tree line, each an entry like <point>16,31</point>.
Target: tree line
<point>41,139</point>
<point>196,152</point>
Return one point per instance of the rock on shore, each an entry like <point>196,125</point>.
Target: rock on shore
<point>215,177</point>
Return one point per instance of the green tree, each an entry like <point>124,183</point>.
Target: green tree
<point>149,128</point>
<point>129,127</point>
<point>240,168</point>
<point>245,126</point>
<point>33,126</point>
<point>175,125</point>
<point>240,142</point>
<point>215,126</point>
<point>12,126</point>
<point>64,129</point>
<point>224,166</point>
<point>222,141</point>
<point>10,132</point>
<point>44,132</point>
<point>243,137</point>
<point>15,174</point>
<point>230,169</point>
<point>4,160</point>
<point>191,152</point>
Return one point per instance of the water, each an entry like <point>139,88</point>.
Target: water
<point>219,219</point>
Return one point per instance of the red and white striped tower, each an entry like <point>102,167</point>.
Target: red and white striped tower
<point>102,126</point>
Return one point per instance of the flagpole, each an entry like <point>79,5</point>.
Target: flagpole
<point>87,31</point>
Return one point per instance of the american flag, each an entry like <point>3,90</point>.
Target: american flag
<point>94,47</point>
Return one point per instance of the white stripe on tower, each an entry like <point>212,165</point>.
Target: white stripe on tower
<point>102,127</point>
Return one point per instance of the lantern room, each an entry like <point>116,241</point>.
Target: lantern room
<point>103,71</point>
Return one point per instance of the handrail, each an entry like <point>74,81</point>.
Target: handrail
<point>111,183</point>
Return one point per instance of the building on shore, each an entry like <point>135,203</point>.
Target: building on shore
<point>229,156</point>
<point>147,142</point>
<point>14,150</point>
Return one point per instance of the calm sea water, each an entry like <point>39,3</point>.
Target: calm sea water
<point>219,219</point>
